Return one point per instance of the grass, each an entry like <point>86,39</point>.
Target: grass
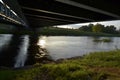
<point>94,66</point>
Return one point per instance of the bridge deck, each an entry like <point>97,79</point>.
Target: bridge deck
<point>41,13</point>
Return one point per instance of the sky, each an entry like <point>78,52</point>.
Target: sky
<point>116,23</point>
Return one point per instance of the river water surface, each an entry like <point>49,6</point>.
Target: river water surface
<point>21,50</point>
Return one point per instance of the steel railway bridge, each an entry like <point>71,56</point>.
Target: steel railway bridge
<point>41,13</point>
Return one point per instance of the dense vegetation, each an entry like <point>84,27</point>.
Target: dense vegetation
<point>88,30</point>
<point>54,31</point>
<point>99,28</point>
<point>94,66</point>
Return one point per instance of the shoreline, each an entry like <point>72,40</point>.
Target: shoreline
<point>94,66</point>
<point>51,61</point>
<point>110,35</point>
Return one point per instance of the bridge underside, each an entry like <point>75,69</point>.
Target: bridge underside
<point>41,13</point>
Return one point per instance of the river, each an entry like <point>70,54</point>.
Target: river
<point>21,50</point>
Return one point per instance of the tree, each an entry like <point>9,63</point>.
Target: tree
<point>110,29</point>
<point>86,28</point>
<point>97,28</point>
<point>90,27</point>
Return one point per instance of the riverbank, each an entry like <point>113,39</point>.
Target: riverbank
<point>72,32</point>
<point>94,66</point>
<point>58,32</point>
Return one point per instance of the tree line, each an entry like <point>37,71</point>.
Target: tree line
<point>99,28</point>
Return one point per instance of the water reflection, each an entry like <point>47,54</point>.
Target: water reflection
<point>37,52</point>
<point>7,54</point>
<point>22,54</point>
<point>41,43</point>
<point>70,46</point>
<point>22,50</point>
<point>4,40</point>
<point>43,53</point>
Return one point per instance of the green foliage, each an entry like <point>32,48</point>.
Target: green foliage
<point>94,66</point>
<point>102,40</point>
<point>59,31</point>
<point>109,59</point>
<point>97,28</point>
<point>106,40</point>
<point>52,31</point>
<point>110,29</point>
<point>87,28</point>
<point>66,71</point>
<point>7,75</point>
<point>101,76</point>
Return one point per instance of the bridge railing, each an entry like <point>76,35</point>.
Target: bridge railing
<point>9,15</point>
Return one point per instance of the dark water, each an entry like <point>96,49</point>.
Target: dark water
<point>22,50</point>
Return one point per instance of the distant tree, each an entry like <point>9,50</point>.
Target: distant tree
<point>90,27</point>
<point>86,28</point>
<point>97,28</point>
<point>118,30</point>
<point>110,29</point>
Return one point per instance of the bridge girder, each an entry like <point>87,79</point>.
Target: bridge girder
<point>41,13</point>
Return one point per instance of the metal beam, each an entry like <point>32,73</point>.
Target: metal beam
<point>50,12</point>
<point>39,16</point>
<point>73,3</point>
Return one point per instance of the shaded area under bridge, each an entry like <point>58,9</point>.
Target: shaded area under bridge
<point>41,13</point>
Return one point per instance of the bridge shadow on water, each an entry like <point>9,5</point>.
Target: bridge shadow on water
<point>21,50</point>
<point>36,53</point>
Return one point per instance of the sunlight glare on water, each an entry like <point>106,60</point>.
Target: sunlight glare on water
<point>42,42</point>
<point>4,40</point>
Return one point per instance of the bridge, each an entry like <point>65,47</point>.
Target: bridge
<point>7,15</point>
<point>41,13</point>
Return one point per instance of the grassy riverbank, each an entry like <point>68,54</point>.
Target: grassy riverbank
<point>52,31</point>
<point>71,32</point>
<point>95,66</point>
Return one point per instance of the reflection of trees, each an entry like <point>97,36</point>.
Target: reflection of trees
<point>95,38</point>
<point>36,54</point>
